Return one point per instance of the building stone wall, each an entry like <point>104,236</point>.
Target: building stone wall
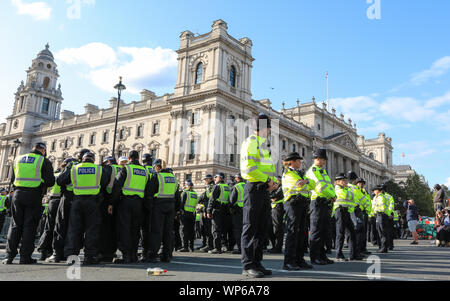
<point>211,114</point>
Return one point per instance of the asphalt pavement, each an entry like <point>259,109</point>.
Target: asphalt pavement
<point>406,263</point>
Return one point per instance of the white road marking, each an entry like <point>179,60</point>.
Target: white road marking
<point>302,271</point>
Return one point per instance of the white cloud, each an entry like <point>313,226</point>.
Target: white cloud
<point>438,68</point>
<point>74,10</point>
<point>405,108</point>
<point>448,182</point>
<point>438,101</point>
<point>140,67</point>
<point>37,10</point>
<point>359,108</point>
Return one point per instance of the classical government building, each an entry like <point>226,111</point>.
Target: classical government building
<point>198,128</point>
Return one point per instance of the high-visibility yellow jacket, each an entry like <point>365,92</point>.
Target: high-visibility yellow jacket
<point>256,162</point>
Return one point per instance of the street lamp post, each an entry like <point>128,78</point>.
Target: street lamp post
<point>17,143</point>
<point>119,87</point>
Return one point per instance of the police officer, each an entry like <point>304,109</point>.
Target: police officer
<point>54,198</point>
<point>357,215</point>
<point>63,213</point>
<point>391,204</point>
<point>236,204</point>
<point>276,231</point>
<point>33,174</point>
<point>217,211</point>
<point>380,207</point>
<point>131,193</point>
<point>206,224</point>
<point>147,162</point>
<point>89,186</point>
<point>189,200</point>
<point>296,189</point>
<point>321,199</point>
<point>344,207</point>
<point>3,208</point>
<point>258,168</point>
<point>367,205</point>
<point>108,231</point>
<point>165,202</point>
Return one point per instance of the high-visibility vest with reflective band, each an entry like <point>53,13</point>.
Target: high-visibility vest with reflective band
<point>115,171</point>
<point>27,171</point>
<point>367,201</point>
<point>224,193</point>
<point>209,190</point>
<point>45,212</point>
<point>380,204</point>
<point>86,179</point>
<point>55,191</point>
<point>2,203</point>
<point>289,183</point>
<point>240,193</point>
<point>136,180</point>
<point>359,197</point>
<point>345,198</point>
<point>390,202</point>
<point>167,186</point>
<point>256,162</point>
<point>198,217</point>
<point>191,201</point>
<point>324,188</point>
<point>395,216</point>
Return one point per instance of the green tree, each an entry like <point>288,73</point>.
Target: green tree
<point>421,194</point>
<point>398,193</point>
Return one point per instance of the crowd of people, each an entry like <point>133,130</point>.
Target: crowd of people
<point>138,202</point>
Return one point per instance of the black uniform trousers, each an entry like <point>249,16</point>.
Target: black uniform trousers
<point>177,243</point>
<point>2,220</point>
<point>26,211</point>
<point>320,224</point>
<point>207,228</point>
<point>187,229</point>
<point>84,221</point>
<point>236,217</point>
<point>358,222</point>
<point>108,231</point>
<point>129,222</point>
<point>345,224</point>
<point>219,216</point>
<point>383,231</point>
<point>365,228</point>
<point>295,230</point>
<point>145,230</point>
<point>162,228</point>
<point>228,235</point>
<point>277,227</point>
<point>62,223</point>
<point>330,224</point>
<point>46,240</point>
<point>372,231</point>
<point>390,238</point>
<point>256,216</point>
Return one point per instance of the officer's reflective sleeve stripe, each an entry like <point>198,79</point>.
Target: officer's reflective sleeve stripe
<point>2,203</point>
<point>75,184</point>
<point>37,175</point>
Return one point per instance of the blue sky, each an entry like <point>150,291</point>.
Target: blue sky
<point>389,75</point>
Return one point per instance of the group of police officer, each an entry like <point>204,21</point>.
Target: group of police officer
<point>102,208</point>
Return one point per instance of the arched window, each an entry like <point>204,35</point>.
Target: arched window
<point>233,76</point>
<point>371,156</point>
<point>199,73</point>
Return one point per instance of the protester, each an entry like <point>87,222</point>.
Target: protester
<point>412,216</point>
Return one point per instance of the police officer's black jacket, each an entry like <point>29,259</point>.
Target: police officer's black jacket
<point>277,194</point>
<point>119,182</point>
<point>203,199</point>
<point>64,179</point>
<point>154,187</point>
<point>46,174</point>
<point>213,203</point>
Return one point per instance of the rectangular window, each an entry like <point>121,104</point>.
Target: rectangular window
<point>105,137</point>
<point>45,105</point>
<point>153,153</point>
<point>92,139</point>
<point>53,145</point>
<point>140,131</point>
<point>155,128</point>
<point>194,118</point>
<point>192,151</point>
<point>21,103</point>
<point>198,176</point>
<point>232,158</point>
<point>80,141</point>
<point>188,177</point>
<point>303,152</point>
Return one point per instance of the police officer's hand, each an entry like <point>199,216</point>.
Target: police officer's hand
<point>274,200</point>
<point>110,209</point>
<point>208,215</point>
<point>302,183</point>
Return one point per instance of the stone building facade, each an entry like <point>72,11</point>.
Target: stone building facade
<point>198,128</point>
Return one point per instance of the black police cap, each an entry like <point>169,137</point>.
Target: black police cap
<point>89,157</point>
<point>341,176</point>
<point>40,145</point>
<point>361,180</point>
<point>68,160</point>
<point>220,174</point>
<point>320,154</point>
<point>157,162</point>
<point>82,152</point>
<point>208,176</point>
<point>293,156</point>
<point>378,187</point>
<point>134,155</point>
<point>238,175</point>
<point>147,158</point>
<point>352,175</point>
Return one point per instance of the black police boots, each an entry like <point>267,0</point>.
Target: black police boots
<point>27,260</point>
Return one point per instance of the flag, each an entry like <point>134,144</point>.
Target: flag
<point>403,155</point>
<point>327,75</point>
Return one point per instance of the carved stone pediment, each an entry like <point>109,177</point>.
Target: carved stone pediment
<point>347,142</point>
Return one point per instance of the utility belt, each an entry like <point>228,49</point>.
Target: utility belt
<point>346,208</point>
<point>297,198</point>
<point>323,201</point>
